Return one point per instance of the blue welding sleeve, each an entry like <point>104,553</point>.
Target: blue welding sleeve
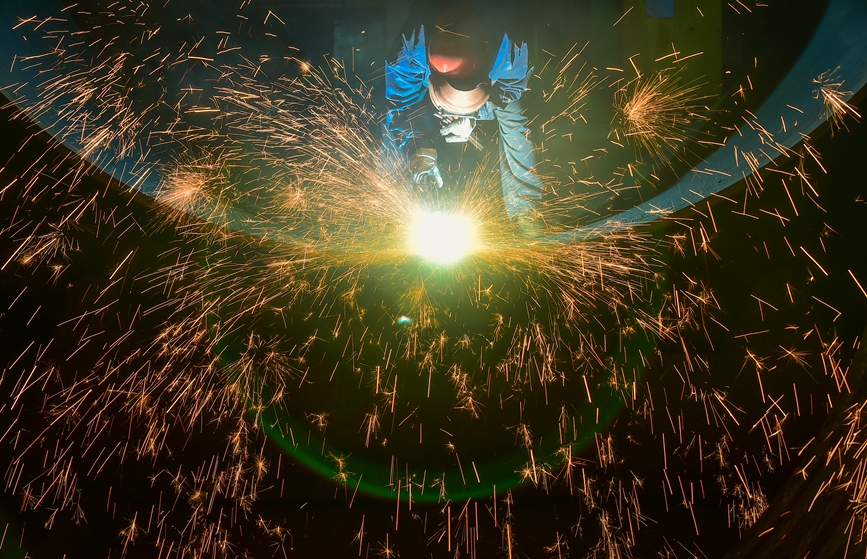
<point>406,84</point>
<point>522,187</point>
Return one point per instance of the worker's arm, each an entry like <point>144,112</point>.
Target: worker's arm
<point>510,75</point>
<point>522,187</point>
<point>408,124</point>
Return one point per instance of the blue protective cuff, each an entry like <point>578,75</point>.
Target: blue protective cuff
<point>406,82</point>
<point>510,73</point>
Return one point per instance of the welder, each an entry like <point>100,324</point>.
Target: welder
<point>444,83</point>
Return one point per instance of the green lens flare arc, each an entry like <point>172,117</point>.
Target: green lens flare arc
<point>468,476</point>
<point>374,480</point>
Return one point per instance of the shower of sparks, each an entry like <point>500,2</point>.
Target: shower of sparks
<point>192,191</point>
<point>656,113</point>
<point>837,109</point>
<point>277,271</point>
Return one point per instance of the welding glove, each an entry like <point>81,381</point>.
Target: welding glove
<point>457,129</point>
<point>423,166</point>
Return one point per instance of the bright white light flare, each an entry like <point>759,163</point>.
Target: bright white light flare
<point>440,237</point>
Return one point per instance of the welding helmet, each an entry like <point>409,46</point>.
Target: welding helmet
<point>460,58</point>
